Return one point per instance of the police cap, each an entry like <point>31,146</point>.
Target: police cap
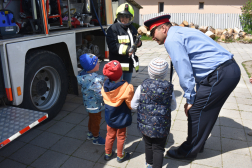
<point>155,22</point>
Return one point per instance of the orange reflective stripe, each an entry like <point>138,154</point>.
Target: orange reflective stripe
<point>9,94</point>
<point>43,5</point>
<point>106,54</point>
<point>19,91</point>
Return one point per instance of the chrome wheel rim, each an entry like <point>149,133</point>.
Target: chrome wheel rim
<point>45,88</point>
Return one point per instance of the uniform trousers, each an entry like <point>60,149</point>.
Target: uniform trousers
<point>212,93</point>
<point>154,151</point>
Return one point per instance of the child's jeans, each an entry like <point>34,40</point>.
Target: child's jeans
<point>121,135</point>
<point>94,123</point>
<point>154,151</point>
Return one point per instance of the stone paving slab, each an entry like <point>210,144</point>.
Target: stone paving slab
<point>77,163</point>
<point>62,142</point>
<point>11,163</point>
<point>27,154</point>
<point>49,158</point>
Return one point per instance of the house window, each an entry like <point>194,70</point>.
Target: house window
<point>160,7</point>
<point>201,5</point>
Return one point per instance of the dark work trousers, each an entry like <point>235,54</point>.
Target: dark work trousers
<point>154,151</point>
<point>212,93</point>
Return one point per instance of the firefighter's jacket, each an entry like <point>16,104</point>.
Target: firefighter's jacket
<point>119,42</point>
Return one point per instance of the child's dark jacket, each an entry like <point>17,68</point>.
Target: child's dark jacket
<point>117,98</point>
<point>154,112</point>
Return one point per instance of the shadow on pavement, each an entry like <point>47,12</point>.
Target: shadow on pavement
<point>231,137</point>
<point>177,93</point>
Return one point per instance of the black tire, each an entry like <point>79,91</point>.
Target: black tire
<point>46,83</point>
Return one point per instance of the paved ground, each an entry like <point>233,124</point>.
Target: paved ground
<point>62,141</point>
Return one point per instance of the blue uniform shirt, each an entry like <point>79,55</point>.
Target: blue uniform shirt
<point>194,56</point>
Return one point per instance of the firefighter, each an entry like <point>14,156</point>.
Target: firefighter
<point>120,37</point>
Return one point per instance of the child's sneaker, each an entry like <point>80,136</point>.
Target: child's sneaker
<point>98,141</point>
<point>90,136</point>
<point>126,156</point>
<point>107,157</point>
<point>148,165</point>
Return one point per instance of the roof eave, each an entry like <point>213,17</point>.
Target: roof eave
<point>135,4</point>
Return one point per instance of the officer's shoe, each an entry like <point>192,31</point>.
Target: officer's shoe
<point>173,153</point>
<point>148,165</point>
<point>201,150</point>
<point>126,156</point>
<point>98,141</point>
<point>107,157</point>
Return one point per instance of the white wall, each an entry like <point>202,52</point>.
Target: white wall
<point>192,6</point>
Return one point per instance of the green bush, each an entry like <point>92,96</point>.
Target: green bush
<point>136,25</point>
<point>144,37</point>
<point>216,38</point>
<point>246,17</point>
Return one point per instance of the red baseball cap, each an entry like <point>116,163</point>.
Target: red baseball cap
<point>113,70</point>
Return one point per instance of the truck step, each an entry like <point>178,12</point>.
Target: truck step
<point>15,121</point>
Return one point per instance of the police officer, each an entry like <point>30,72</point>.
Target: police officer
<point>120,37</point>
<point>198,60</point>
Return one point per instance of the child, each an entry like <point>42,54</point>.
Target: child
<point>91,84</point>
<point>154,100</point>
<point>117,95</point>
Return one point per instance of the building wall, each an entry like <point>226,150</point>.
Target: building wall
<point>136,15</point>
<point>114,7</point>
<point>192,6</point>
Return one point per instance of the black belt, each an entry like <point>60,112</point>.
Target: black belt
<point>224,64</point>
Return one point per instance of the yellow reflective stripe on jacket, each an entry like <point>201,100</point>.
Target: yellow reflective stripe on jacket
<point>123,39</point>
<point>123,49</point>
<point>125,66</point>
<point>137,68</point>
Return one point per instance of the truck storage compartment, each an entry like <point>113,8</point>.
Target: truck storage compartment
<point>27,16</point>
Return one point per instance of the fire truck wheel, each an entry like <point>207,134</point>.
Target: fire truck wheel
<point>46,83</point>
